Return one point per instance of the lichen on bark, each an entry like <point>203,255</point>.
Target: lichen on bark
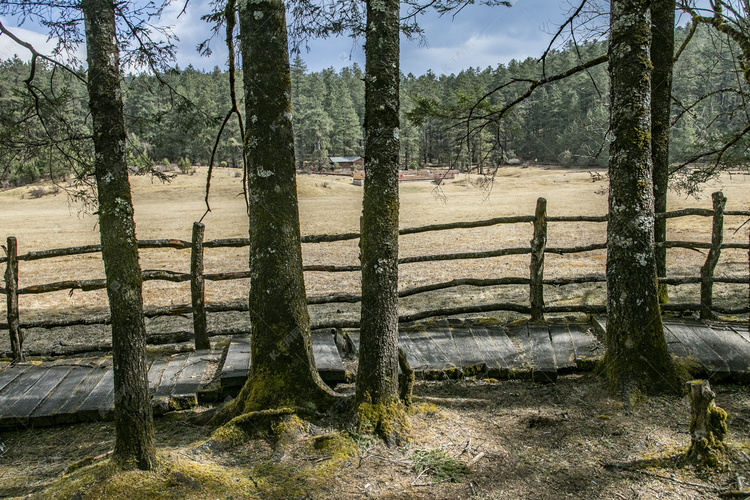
<point>377,397</point>
<point>637,361</point>
<point>662,54</point>
<point>134,432</point>
<point>282,371</point>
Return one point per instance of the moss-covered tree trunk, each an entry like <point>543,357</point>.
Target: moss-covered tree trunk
<point>282,371</point>
<point>133,415</point>
<point>377,376</point>
<point>662,55</point>
<point>637,360</point>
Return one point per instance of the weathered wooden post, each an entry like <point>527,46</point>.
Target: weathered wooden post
<point>708,426</point>
<point>197,288</point>
<point>11,290</point>
<point>538,244</point>
<point>707,271</point>
<point>405,379</point>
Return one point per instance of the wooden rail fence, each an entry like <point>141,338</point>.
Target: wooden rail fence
<point>536,281</point>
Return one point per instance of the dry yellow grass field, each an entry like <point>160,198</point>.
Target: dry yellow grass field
<point>333,205</point>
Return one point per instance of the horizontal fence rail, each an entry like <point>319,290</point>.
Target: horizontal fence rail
<point>537,250</point>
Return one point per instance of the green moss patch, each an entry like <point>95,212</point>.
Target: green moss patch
<point>173,478</point>
<point>439,466</point>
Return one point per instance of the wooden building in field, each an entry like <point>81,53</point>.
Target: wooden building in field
<point>351,162</point>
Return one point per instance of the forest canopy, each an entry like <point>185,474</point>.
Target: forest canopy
<point>564,122</point>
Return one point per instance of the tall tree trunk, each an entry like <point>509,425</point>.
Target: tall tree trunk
<point>637,360</point>
<point>377,376</point>
<point>282,368</point>
<point>662,56</point>
<point>134,443</point>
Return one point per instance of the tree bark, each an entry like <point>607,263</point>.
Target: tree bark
<point>377,396</point>
<point>662,56</point>
<point>282,372</point>
<point>377,378</point>
<point>134,432</point>
<point>637,360</point>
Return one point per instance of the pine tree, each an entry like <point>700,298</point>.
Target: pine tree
<point>637,360</point>
<point>377,398</point>
<point>282,373</point>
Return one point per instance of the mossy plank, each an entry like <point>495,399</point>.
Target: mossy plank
<point>521,338</point>
<point>10,374</point>
<point>163,393</point>
<point>673,343</point>
<point>740,330</point>
<point>46,412</point>
<point>155,372</point>
<point>354,335</point>
<point>67,412</point>
<point>431,353</point>
<point>101,400</point>
<point>599,324</point>
<point>443,339</point>
<point>185,391</point>
<point>711,361</point>
<point>326,355</point>
<point>585,344</point>
<point>237,363</point>
<point>33,397</point>
<point>15,391</point>
<point>499,353</point>
<point>563,347</point>
<point>542,355</point>
<point>327,359</point>
<point>466,347</point>
<point>414,356</point>
<point>727,344</point>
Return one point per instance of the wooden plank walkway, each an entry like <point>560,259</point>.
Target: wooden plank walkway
<point>73,390</point>
<point>722,350</point>
<point>237,363</point>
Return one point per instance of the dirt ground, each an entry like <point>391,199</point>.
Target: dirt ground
<point>333,205</point>
<point>471,439</point>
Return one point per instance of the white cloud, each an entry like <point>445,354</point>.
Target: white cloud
<point>9,48</point>
<point>191,31</point>
<point>37,38</point>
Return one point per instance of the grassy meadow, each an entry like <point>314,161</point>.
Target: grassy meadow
<point>332,205</point>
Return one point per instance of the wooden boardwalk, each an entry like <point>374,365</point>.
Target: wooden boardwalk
<point>76,390</point>
<point>73,390</point>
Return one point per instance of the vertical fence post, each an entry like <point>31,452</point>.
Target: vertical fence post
<point>707,271</point>
<point>538,244</point>
<point>197,289</point>
<point>11,287</point>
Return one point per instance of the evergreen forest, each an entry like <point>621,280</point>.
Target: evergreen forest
<point>174,118</point>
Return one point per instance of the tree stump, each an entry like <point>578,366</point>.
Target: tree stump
<point>708,426</point>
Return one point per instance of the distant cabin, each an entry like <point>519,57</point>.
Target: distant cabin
<point>352,162</point>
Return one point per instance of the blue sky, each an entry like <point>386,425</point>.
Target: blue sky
<point>479,36</point>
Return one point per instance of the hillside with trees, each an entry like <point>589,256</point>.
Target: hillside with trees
<point>564,122</point>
